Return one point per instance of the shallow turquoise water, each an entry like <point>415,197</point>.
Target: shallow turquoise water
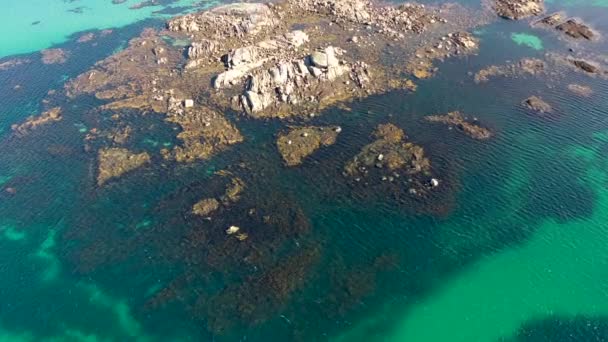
<point>44,23</point>
<point>520,255</point>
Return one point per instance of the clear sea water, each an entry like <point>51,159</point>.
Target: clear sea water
<point>519,254</point>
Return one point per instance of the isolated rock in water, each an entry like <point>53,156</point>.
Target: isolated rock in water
<point>457,120</point>
<point>301,142</point>
<point>114,162</point>
<point>87,37</point>
<point>518,9</point>
<point>575,29</point>
<point>397,155</point>
<point>205,206</point>
<point>537,104</point>
<point>580,90</point>
<point>32,122</point>
<point>570,27</point>
<point>54,56</point>
<point>585,66</point>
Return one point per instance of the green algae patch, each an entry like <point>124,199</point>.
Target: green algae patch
<point>528,40</point>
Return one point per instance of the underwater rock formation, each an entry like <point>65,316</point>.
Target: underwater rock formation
<point>526,66</point>
<point>301,142</point>
<point>456,119</point>
<point>32,122</point>
<point>114,162</point>
<point>54,56</point>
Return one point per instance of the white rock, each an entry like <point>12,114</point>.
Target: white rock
<point>232,230</point>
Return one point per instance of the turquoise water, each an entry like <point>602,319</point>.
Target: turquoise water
<point>44,23</point>
<point>516,250</point>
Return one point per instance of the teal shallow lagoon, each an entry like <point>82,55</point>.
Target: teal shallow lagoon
<point>58,21</point>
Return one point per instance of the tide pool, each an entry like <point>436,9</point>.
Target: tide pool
<point>44,23</point>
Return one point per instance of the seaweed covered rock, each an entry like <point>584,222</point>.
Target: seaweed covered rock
<point>205,207</point>
<point>114,162</point>
<point>389,153</point>
<point>518,9</point>
<point>32,122</point>
<point>204,133</point>
<point>456,119</point>
<point>526,66</point>
<point>301,142</point>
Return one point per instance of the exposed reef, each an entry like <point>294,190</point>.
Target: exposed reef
<point>11,63</point>
<point>571,27</point>
<point>456,119</point>
<point>284,60</point>
<point>526,66</point>
<point>518,9</point>
<point>32,122</point>
<point>537,105</point>
<point>114,162</point>
<point>390,158</point>
<point>54,56</point>
<point>580,90</point>
<point>452,44</point>
<point>204,132</point>
<point>300,142</point>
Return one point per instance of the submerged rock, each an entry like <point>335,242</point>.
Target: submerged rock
<point>580,90</point>
<point>301,142</point>
<point>518,9</point>
<point>54,56</point>
<point>457,120</point>
<point>114,162</point>
<point>537,104</point>
<point>526,66</point>
<point>32,122</point>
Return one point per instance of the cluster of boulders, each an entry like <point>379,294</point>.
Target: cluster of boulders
<point>297,144</point>
<point>229,21</point>
<point>570,27</point>
<point>452,44</point>
<point>392,21</point>
<point>32,122</point>
<point>114,162</point>
<point>456,119</point>
<point>526,66</point>
<point>518,9</point>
